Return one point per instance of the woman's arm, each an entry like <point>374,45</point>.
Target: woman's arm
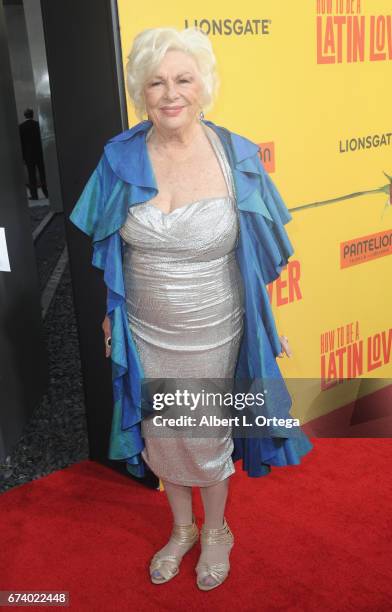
<point>285,347</point>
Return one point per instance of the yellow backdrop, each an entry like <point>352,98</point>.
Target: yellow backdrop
<point>308,81</point>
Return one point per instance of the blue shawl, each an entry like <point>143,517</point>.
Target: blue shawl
<point>124,177</point>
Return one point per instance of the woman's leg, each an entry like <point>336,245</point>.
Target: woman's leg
<point>214,500</point>
<point>180,501</point>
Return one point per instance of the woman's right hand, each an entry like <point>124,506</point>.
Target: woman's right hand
<point>107,330</point>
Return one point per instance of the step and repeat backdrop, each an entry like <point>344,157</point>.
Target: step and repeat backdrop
<point>309,82</point>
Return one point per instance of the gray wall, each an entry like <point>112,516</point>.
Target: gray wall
<point>26,45</point>
<point>21,67</point>
<point>23,355</point>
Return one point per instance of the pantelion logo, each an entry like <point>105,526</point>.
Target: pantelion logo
<point>267,155</point>
<point>365,248</point>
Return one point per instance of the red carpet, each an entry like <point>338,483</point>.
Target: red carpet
<point>310,537</point>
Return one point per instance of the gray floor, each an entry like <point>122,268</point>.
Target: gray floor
<point>56,434</point>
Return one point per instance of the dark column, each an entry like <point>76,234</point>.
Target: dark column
<point>23,354</point>
<point>88,108</point>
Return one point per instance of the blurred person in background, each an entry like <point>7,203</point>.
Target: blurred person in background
<point>30,138</point>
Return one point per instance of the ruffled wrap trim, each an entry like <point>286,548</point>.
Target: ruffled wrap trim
<point>263,250</point>
<point>104,192</point>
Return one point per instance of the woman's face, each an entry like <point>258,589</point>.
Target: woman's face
<point>173,92</point>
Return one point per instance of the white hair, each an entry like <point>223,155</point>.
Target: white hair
<point>149,48</point>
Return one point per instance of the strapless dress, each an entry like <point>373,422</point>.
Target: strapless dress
<point>185,308</point>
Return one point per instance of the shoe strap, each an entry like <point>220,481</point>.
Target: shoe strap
<point>185,534</point>
<point>219,535</point>
<point>217,571</point>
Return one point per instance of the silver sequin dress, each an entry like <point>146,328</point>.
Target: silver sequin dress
<point>185,311</point>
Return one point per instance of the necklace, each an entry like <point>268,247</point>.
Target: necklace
<point>182,159</point>
<point>150,131</point>
<point>178,160</point>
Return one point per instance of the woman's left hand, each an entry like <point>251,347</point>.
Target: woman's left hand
<point>285,347</point>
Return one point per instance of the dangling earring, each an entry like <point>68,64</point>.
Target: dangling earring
<point>201,116</point>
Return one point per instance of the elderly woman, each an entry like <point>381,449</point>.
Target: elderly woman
<point>188,229</point>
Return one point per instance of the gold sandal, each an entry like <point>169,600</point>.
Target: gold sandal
<point>168,564</point>
<point>217,571</point>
